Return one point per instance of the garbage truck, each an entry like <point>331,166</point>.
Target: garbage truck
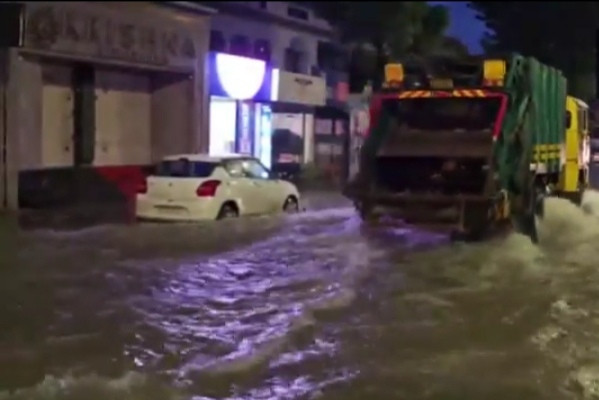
<point>470,146</point>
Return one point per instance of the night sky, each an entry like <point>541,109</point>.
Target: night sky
<point>464,25</point>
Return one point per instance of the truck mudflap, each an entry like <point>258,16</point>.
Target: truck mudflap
<point>463,216</point>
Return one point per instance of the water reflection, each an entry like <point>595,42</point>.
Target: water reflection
<point>180,302</point>
<point>312,306</point>
<point>242,308</point>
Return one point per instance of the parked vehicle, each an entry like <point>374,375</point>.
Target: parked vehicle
<point>193,187</point>
<point>471,145</point>
<point>287,154</point>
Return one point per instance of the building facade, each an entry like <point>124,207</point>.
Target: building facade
<point>283,33</point>
<point>94,92</point>
<point>308,78</point>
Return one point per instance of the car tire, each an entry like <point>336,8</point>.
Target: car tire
<point>228,211</point>
<point>291,205</point>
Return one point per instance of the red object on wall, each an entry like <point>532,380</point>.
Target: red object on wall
<point>127,178</point>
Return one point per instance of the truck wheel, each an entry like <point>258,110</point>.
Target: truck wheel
<point>526,225</point>
<point>528,206</point>
<point>539,206</point>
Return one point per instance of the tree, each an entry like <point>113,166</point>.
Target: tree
<point>383,30</point>
<point>452,47</point>
<point>558,33</point>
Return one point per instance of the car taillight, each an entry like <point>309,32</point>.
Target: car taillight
<point>208,188</point>
<point>142,187</point>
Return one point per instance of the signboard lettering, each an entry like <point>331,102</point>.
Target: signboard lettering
<point>68,29</point>
<point>126,36</point>
<point>147,40</point>
<point>42,28</point>
<point>109,29</point>
<point>188,48</point>
<point>171,42</point>
<point>93,32</point>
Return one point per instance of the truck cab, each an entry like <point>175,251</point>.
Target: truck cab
<point>576,153</point>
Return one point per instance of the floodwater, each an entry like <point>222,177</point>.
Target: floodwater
<point>311,306</point>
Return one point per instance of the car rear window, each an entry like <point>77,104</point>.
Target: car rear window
<point>183,168</point>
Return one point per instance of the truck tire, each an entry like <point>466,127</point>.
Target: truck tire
<point>529,205</point>
<point>526,219</point>
<point>528,226</point>
<point>539,205</point>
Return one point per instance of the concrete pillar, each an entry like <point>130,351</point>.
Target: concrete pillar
<point>597,64</point>
<point>201,95</point>
<point>20,124</point>
<point>3,137</point>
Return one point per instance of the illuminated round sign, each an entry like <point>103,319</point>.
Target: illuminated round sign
<point>240,77</point>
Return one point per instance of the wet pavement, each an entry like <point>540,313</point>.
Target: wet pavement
<point>309,306</point>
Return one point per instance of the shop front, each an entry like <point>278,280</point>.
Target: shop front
<point>332,141</point>
<point>297,98</point>
<point>241,90</point>
<point>93,94</point>
<point>359,123</point>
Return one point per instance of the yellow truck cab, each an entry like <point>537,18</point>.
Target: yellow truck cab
<point>575,152</point>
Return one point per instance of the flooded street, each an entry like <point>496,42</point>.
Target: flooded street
<point>313,306</point>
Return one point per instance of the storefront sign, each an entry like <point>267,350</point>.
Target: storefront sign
<point>301,89</point>
<point>239,78</point>
<point>99,32</point>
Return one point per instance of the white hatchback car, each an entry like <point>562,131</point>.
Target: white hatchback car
<point>193,187</point>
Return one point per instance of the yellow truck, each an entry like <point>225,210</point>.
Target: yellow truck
<point>575,152</point>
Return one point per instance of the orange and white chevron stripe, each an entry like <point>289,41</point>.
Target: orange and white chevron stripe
<point>415,94</point>
<point>468,93</point>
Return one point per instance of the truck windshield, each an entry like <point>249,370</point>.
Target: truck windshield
<point>444,113</point>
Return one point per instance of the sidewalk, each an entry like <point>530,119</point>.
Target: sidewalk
<point>323,199</point>
<point>87,215</point>
<point>75,217</point>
